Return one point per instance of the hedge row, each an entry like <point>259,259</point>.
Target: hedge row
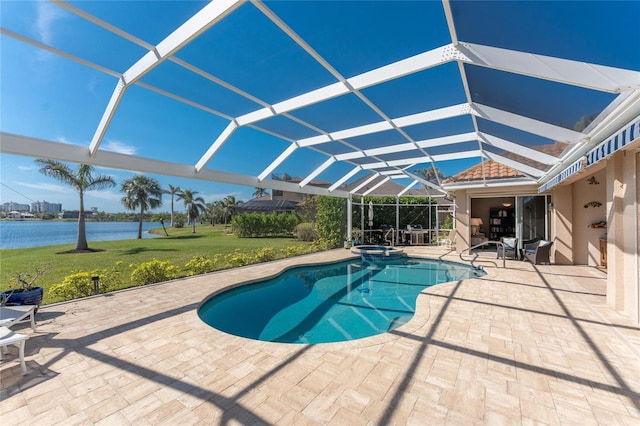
<point>80,284</point>
<point>247,225</point>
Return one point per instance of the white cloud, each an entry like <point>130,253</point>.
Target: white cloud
<point>27,168</point>
<point>46,187</point>
<point>48,14</point>
<point>119,147</point>
<point>62,139</point>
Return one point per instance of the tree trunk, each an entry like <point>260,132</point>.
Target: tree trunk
<point>81,243</point>
<point>194,226</point>
<point>140,223</point>
<point>171,210</point>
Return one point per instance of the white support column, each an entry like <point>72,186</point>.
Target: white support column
<point>362,219</point>
<point>349,217</point>
<point>397,220</point>
<point>287,152</point>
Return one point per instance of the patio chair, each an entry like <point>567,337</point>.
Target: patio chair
<point>449,240</point>
<point>538,252</point>
<point>510,248</point>
<point>8,337</point>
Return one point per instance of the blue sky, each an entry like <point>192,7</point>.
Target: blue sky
<point>50,97</point>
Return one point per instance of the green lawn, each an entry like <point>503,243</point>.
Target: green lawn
<point>178,248</point>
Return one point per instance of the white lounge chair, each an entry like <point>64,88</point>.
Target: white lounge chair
<point>9,315</point>
<point>8,337</point>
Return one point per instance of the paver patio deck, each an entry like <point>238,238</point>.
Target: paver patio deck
<point>522,345</point>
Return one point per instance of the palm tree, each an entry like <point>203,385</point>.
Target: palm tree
<point>431,174</point>
<point>194,205</point>
<point>141,191</point>
<point>259,192</point>
<point>213,212</point>
<point>229,203</point>
<point>173,190</point>
<point>219,210</point>
<point>82,180</point>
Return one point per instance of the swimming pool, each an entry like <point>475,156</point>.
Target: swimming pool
<point>330,303</point>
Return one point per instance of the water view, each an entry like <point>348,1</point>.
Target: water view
<point>20,234</point>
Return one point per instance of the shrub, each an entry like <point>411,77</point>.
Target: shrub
<point>153,272</point>
<point>306,231</point>
<point>332,218</point>
<point>247,225</point>
<point>79,284</point>
<point>447,223</point>
<point>199,265</point>
<point>238,258</point>
<point>265,254</point>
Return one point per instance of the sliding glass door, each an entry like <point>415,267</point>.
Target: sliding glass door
<point>532,221</point>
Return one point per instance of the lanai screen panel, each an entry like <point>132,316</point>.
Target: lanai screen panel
<point>331,91</point>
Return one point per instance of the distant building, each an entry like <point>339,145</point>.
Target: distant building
<point>16,215</point>
<point>46,207</point>
<point>11,206</point>
<point>278,201</point>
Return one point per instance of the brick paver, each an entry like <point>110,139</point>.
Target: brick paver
<point>525,344</point>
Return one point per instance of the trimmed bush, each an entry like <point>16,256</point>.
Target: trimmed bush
<point>251,225</point>
<point>153,272</point>
<point>238,258</point>
<point>265,254</point>
<point>79,284</point>
<point>199,265</point>
<point>306,231</point>
<point>332,218</point>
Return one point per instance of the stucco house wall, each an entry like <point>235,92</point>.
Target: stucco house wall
<point>589,198</point>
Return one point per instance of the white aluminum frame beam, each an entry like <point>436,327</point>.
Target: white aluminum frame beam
<point>528,170</point>
<point>216,145</point>
<point>380,75</point>
<point>27,146</point>
<point>317,171</point>
<point>408,187</point>
<point>377,185</point>
<point>403,147</point>
<point>565,71</point>
<point>408,120</point>
<point>536,127</point>
<point>425,182</point>
<point>271,167</point>
<point>365,183</point>
<point>204,19</point>
<point>458,155</point>
<point>344,178</point>
<point>523,151</point>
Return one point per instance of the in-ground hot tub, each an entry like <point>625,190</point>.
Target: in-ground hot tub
<point>371,250</point>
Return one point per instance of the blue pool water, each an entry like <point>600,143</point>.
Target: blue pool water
<point>330,303</point>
